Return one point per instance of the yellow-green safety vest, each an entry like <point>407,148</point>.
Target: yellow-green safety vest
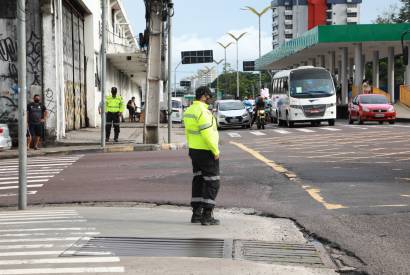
<point>114,105</point>
<point>200,128</point>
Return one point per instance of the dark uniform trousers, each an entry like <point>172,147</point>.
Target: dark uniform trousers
<point>112,118</point>
<point>205,184</point>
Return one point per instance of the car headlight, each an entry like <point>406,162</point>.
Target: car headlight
<point>365,109</point>
<point>296,107</point>
<point>391,109</point>
<point>221,116</point>
<point>245,115</point>
<point>330,105</point>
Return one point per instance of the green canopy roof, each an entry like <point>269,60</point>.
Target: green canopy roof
<point>333,37</point>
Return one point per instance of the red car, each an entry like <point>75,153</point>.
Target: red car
<point>371,107</point>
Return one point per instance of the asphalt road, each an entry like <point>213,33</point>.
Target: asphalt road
<point>347,185</point>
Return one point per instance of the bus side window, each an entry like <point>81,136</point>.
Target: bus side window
<point>285,85</point>
<point>281,86</point>
<point>275,86</point>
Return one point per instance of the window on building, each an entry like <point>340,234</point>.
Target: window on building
<point>350,6</point>
<point>352,14</point>
<point>288,36</point>
<point>289,27</point>
<point>288,17</point>
<point>288,8</point>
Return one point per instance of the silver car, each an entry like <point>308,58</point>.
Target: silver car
<point>5,139</point>
<point>231,113</point>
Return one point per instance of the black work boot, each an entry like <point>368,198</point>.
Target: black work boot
<point>208,218</point>
<point>196,215</point>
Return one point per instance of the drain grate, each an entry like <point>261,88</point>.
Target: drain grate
<point>266,252</point>
<point>154,247</point>
<point>257,251</point>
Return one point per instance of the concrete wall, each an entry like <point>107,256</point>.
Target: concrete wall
<point>8,59</point>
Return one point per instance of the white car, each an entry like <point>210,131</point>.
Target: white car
<point>5,139</point>
<point>231,113</point>
<point>177,110</point>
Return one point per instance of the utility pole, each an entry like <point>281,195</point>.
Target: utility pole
<point>22,104</point>
<point>225,47</point>
<point>217,75</point>
<point>152,98</point>
<point>103,68</point>
<point>237,59</point>
<point>170,15</point>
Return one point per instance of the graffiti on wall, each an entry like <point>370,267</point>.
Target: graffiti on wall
<point>50,103</point>
<point>34,58</point>
<point>8,55</point>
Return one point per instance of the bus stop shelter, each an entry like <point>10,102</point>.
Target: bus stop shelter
<point>344,49</point>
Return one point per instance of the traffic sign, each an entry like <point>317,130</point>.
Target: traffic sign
<point>185,83</point>
<point>249,66</point>
<point>195,57</point>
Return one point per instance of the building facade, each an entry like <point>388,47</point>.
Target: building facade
<point>64,61</point>
<point>292,18</point>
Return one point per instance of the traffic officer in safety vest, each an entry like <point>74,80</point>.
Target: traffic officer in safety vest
<point>114,107</point>
<point>203,138</point>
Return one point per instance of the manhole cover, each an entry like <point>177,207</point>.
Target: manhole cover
<point>257,251</point>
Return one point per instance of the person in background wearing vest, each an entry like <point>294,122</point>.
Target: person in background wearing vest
<point>36,117</point>
<point>114,107</point>
<point>203,142</point>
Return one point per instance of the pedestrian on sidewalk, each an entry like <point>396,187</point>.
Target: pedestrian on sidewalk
<point>203,142</point>
<point>36,117</point>
<point>131,106</point>
<point>114,107</point>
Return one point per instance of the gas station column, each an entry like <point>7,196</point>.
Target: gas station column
<point>343,75</point>
<point>376,71</point>
<point>390,72</point>
<point>332,62</point>
<point>322,61</point>
<point>407,77</point>
<point>358,75</point>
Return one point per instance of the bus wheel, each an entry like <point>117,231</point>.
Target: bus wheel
<point>315,123</point>
<point>331,122</point>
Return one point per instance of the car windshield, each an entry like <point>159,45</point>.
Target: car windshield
<point>373,100</point>
<point>311,83</point>
<point>233,105</point>
<point>176,104</point>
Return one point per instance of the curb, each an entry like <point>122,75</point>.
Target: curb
<point>111,149</point>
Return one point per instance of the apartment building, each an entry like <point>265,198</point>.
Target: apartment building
<point>291,18</point>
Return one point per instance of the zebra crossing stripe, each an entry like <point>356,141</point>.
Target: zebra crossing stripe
<point>305,130</point>
<point>67,270</point>
<point>258,133</point>
<point>330,129</point>
<point>283,132</point>
<point>62,260</point>
<point>234,135</point>
<point>17,187</point>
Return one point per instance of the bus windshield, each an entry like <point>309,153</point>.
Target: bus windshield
<point>311,83</point>
<point>176,104</point>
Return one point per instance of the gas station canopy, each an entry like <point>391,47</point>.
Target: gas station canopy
<point>323,39</point>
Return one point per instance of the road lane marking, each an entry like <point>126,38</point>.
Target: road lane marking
<point>38,215</point>
<point>257,133</point>
<point>234,135</point>
<point>48,229</point>
<point>313,192</point>
<point>405,196</point>
<point>330,129</point>
<point>29,177</point>
<point>15,194</point>
<point>283,132</point>
<point>49,234</point>
<point>26,246</point>
<point>17,187</point>
<point>28,181</point>
<point>66,260</point>
<point>67,270</point>
<point>48,221</point>
<point>44,239</point>
<point>57,217</point>
<point>305,130</point>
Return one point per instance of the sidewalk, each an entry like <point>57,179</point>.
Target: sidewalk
<point>88,140</point>
<point>403,112</point>
<point>158,240</point>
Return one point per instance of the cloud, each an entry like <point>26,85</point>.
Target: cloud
<point>248,47</point>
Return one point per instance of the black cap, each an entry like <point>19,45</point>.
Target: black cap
<point>114,89</point>
<point>201,91</point>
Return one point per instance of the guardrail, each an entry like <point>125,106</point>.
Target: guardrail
<point>405,95</point>
<point>378,91</point>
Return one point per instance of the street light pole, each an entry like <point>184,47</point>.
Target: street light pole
<point>237,38</point>
<point>217,75</point>
<point>175,79</point>
<point>22,104</point>
<point>103,68</point>
<point>170,15</point>
<point>259,14</point>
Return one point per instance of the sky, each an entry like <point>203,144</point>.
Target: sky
<point>200,24</point>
